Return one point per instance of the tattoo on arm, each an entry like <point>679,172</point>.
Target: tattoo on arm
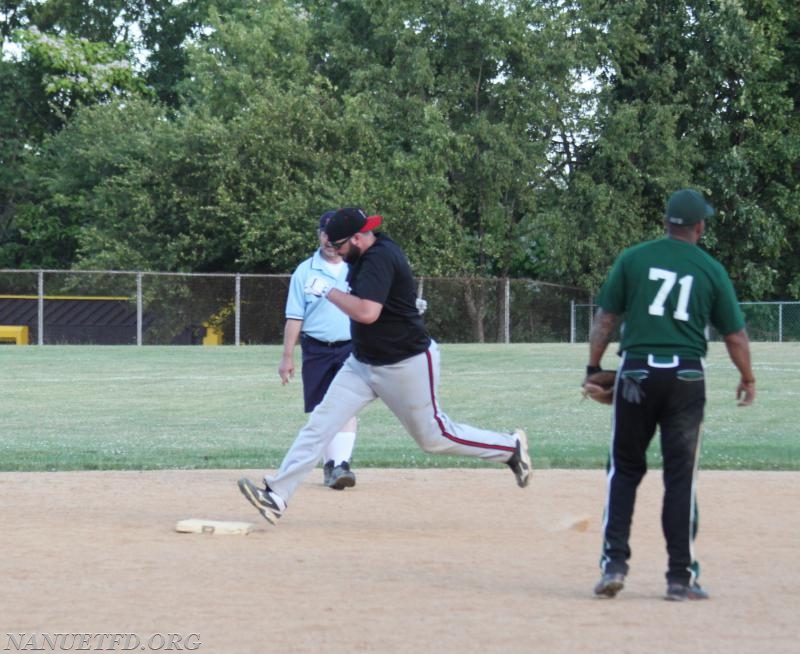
<point>600,335</point>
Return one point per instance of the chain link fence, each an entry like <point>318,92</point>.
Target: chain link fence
<point>150,308</point>
<point>766,321</point>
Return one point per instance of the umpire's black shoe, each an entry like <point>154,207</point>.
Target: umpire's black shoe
<point>342,477</point>
<point>677,592</point>
<point>269,504</point>
<point>609,585</point>
<point>327,471</point>
<point>520,461</point>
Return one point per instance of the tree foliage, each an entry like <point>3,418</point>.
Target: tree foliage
<point>691,94</point>
<point>533,138</point>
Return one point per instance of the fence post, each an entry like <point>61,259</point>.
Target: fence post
<point>572,321</point>
<point>40,308</point>
<point>507,311</point>
<point>138,308</point>
<point>780,322</point>
<point>237,316</point>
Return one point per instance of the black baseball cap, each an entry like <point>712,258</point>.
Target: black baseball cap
<point>687,207</point>
<point>348,221</point>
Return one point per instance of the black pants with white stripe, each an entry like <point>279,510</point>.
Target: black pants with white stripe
<point>649,393</point>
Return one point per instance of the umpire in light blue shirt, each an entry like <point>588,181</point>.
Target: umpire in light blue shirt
<point>323,331</point>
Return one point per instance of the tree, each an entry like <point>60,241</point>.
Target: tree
<point>533,138</point>
<point>751,141</point>
<point>480,82</point>
<point>691,94</point>
<point>57,57</point>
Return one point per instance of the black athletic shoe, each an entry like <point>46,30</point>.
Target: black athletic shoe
<point>609,585</point>
<point>327,471</point>
<point>681,592</point>
<point>269,504</point>
<point>520,461</point>
<point>342,477</point>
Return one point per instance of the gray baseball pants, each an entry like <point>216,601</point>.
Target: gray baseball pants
<point>409,389</point>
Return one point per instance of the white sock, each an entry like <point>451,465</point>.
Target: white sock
<point>341,447</point>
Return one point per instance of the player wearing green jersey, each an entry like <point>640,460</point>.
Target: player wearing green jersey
<point>666,292</point>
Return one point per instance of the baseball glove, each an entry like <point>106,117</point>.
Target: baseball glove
<point>599,386</point>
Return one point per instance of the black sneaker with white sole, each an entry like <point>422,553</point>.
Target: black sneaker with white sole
<point>520,461</point>
<point>269,504</point>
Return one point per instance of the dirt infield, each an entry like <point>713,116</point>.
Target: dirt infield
<point>407,561</point>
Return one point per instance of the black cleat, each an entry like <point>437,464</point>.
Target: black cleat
<point>269,504</point>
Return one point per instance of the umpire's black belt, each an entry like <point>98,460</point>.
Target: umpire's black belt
<point>316,341</point>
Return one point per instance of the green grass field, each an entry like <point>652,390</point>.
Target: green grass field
<point>105,407</point>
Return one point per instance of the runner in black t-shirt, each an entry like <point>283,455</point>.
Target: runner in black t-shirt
<point>383,276</point>
<point>394,359</point>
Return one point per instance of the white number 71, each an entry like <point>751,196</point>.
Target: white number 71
<point>668,279</point>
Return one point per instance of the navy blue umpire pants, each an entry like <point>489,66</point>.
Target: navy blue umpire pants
<point>321,362</point>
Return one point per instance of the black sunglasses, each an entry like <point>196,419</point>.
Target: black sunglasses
<point>337,245</point>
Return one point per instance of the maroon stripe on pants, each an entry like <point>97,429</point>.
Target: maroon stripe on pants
<point>442,428</point>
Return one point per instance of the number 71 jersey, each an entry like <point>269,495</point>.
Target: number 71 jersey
<point>668,291</point>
